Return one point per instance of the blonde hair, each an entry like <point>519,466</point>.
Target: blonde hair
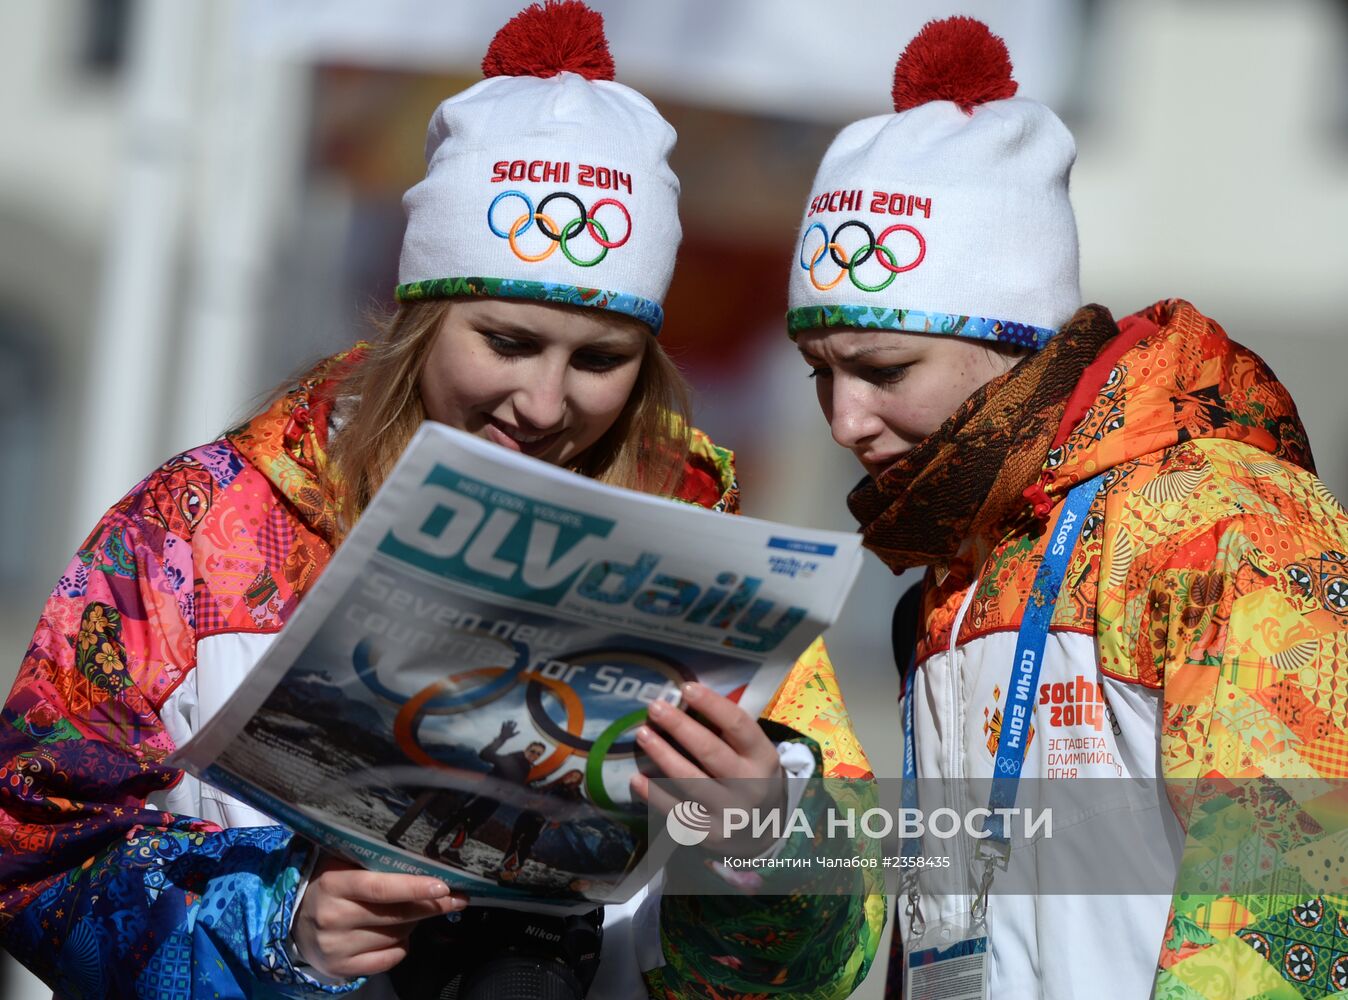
<point>643,450</point>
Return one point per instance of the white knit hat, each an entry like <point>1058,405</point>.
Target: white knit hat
<point>950,216</point>
<point>546,181</point>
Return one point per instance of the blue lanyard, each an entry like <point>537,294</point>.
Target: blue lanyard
<point>908,794</point>
<point>1020,696</point>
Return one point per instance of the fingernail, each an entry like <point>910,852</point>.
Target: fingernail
<point>459,903</point>
<point>438,889</point>
<point>643,734</point>
<point>657,709</point>
<point>692,690</point>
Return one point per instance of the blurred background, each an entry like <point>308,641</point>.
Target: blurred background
<point>197,198</point>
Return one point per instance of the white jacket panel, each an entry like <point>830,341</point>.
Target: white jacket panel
<point>1084,727</point>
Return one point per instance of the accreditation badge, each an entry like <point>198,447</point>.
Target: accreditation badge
<point>946,961</point>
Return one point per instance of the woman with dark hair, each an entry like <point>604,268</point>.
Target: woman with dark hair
<point>1132,570</point>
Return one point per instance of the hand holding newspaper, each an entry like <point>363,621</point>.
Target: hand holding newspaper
<point>459,692</point>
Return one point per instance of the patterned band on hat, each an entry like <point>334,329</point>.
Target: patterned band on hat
<point>957,204</point>
<point>644,310</point>
<point>547,175</point>
<point>915,321</point>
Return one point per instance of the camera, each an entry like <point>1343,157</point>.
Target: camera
<point>486,953</point>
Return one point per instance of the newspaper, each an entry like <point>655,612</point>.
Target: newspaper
<point>459,692</point>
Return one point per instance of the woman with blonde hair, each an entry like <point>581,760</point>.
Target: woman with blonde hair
<point>538,249</point>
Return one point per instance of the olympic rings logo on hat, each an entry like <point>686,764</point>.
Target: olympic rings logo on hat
<point>849,262</point>
<point>559,236</point>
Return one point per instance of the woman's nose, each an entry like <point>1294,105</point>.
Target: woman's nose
<point>540,401</point>
<point>852,420</point>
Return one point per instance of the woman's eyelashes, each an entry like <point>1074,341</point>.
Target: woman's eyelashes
<point>507,347</point>
<point>887,375</point>
<point>598,361</point>
<point>511,347</point>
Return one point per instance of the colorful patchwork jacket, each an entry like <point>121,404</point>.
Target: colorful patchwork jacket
<point>1200,645</point>
<point>120,876</point>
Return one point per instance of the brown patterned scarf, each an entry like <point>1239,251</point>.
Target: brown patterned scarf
<point>961,489</point>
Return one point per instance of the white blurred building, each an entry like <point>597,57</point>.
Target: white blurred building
<point>152,170</point>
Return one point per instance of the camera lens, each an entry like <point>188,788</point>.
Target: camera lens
<point>520,977</point>
<point>486,953</point>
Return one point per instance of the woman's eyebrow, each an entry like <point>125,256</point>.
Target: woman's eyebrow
<point>862,353</point>
<point>507,327</point>
<point>846,356</point>
<point>615,344</point>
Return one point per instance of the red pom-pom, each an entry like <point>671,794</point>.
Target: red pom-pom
<point>544,39</point>
<point>956,59</point>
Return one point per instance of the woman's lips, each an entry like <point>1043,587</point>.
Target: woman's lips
<point>515,439</point>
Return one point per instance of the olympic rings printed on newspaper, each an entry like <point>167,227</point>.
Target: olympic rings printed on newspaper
<point>585,220</point>
<point>478,685</point>
<point>849,262</point>
<point>448,697</point>
<point>594,764</point>
<point>450,703</point>
<point>408,720</point>
<point>533,696</point>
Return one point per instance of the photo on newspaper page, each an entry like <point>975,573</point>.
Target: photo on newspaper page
<point>459,693</point>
